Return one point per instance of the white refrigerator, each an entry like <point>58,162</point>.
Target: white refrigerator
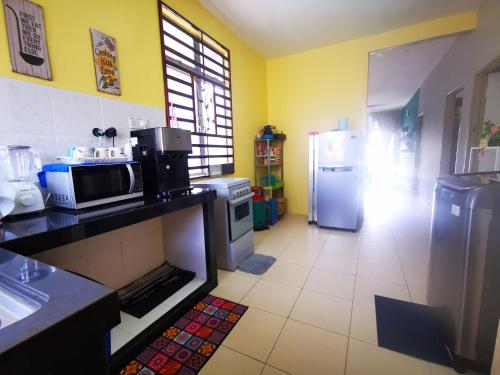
<point>335,181</point>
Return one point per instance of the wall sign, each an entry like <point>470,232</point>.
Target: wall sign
<point>26,35</point>
<point>105,62</point>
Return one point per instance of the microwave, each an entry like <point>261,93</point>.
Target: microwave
<point>88,185</point>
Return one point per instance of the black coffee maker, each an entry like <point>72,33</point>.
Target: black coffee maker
<point>163,154</point>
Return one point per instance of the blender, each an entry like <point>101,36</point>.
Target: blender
<point>19,166</point>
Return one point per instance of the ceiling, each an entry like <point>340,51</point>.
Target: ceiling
<point>395,74</point>
<point>281,27</point>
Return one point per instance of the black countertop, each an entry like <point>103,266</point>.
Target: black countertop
<point>65,300</point>
<point>71,306</point>
<point>55,227</point>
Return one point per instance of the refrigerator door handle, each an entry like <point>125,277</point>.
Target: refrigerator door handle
<point>337,169</point>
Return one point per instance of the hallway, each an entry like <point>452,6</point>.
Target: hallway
<point>320,293</point>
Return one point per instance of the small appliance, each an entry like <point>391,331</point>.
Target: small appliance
<point>463,281</point>
<point>7,197</point>
<point>19,165</point>
<point>87,185</point>
<point>234,224</point>
<point>163,154</point>
<point>335,195</point>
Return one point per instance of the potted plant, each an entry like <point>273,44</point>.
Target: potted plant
<point>490,136</point>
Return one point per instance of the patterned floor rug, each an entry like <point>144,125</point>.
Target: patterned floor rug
<point>185,347</point>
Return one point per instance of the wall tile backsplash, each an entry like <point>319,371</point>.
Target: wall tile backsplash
<point>52,120</point>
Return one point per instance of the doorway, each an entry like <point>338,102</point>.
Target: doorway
<point>418,151</point>
<point>454,103</point>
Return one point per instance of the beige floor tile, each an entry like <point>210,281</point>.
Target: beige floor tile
<point>338,248</point>
<point>336,263</point>
<point>272,248</point>
<point>302,243</point>
<point>323,311</point>
<point>234,286</point>
<point>268,370</point>
<point>417,279</point>
<point>227,361</point>
<point>344,239</point>
<point>318,233</point>
<point>255,334</point>
<point>276,253</point>
<point>367,359</point>
<point>302,257</point>
<point>284,235</point>
<point>381,254</point>
<point>260,235</point>
<point>273,297</point>
<point>334,283</point>
<point>302,349</point>
<point>443,370</point>
<point>389,272</point>
<point>377,242</point>
<point>287,273</point>
<point>365,289</point>
<point>418,295</point>
<point>364,323</point>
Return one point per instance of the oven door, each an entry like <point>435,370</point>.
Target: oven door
<point>101,181</point>
<point>240,216</point>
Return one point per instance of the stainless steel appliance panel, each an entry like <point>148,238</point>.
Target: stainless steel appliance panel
<point>172,139</point>
<point>338,197</point>
<point>464,282</point>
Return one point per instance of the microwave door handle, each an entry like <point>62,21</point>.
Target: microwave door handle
<point>132,178</point>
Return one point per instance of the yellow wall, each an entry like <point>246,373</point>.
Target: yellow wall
<point>134,24</point>
<point>305,91</point>
<point>311,90</point>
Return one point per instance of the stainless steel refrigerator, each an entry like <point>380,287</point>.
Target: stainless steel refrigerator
<point>464,267</point>
<point>335,194</point>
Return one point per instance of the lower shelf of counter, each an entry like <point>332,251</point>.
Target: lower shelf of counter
<point>132,326</point>
<point>132,335</point>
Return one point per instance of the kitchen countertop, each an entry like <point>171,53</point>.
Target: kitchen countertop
<point>71,303</point>
<point>68,303</point>
<point>31,234</point>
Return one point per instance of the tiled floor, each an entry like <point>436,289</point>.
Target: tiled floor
<point>313,312</point>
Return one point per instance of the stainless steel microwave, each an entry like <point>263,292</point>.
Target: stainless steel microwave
<point>87,185</point>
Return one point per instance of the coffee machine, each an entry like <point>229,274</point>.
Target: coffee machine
<point>163,154</point>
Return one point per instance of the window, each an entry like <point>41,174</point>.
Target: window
<point>198,92</point>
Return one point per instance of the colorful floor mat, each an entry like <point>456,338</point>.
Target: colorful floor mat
<point>185,347</point>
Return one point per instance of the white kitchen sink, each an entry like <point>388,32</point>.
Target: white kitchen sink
<point>17,301</point>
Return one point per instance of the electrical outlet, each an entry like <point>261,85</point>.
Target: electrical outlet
<point>137,123</point>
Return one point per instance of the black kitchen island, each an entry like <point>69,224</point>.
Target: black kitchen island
<point>30,235</point>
